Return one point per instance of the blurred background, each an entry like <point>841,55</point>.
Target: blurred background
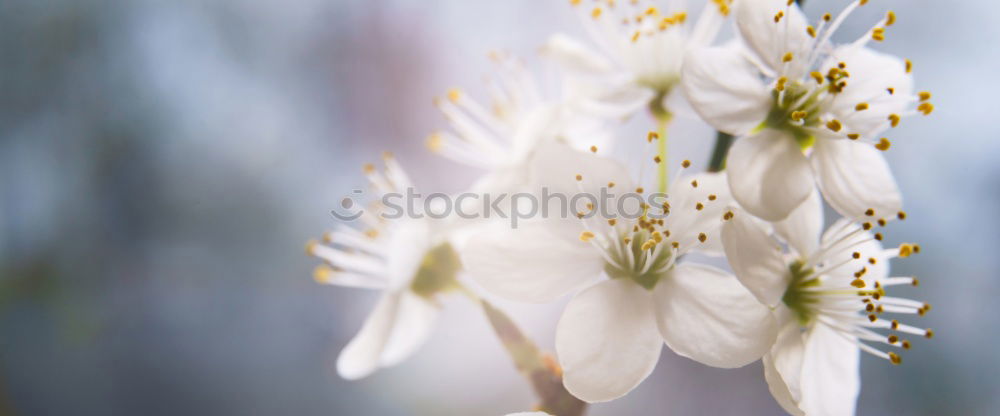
<point>162,164</point>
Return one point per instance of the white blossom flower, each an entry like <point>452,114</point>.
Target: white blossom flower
<point>502,137</point>
<point>640,52</point>
<point>407,259</point>
<point>814,111</point>
<point>636,294</point>
<point>829,296</point>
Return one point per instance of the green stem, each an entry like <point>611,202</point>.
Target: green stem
<point>722,143</point>
<point>662,119</point>
<point>540,369</point>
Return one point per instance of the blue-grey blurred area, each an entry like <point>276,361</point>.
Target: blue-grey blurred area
<point>163,162</point>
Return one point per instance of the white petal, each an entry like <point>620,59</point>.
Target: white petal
<point>783,368</point>
<point>556,166</point>
<point>607,340</point>
<point>705,314</point>
<point>532,263</point>
<point>685,221</point>
<point>854,177</point>
<point>770,40</point>
<point>614,101</point>
<point>361,356</point>
<point>755,258</point>
<point>725,89</point>
<point>415,316</point>
<point>768,174</point>
<point>528,414</point>
<point>872,73</point>
<point>573,56</point>
<point>802,228</point>
<point>830,377</point>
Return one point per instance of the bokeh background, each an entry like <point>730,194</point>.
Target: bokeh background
<point>162,164</point>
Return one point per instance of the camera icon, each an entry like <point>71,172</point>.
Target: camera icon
<point>349,210</point>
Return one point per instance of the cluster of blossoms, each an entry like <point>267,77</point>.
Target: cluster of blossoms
<point>808,116</point>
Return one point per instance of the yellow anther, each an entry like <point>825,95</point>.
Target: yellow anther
<point>652,11</point>
<point>657,236</point>
<point>894,119</point>
<point>909,66</point>
<point>799,115</point>
<point>928,333</point>
<point>856,255</point>
<point>586,236</point>
<point>311,247</point>
<point>657,159</point>
<point>890,18</point>
<point>905,250</point>
<point>579,177</point>
<point>712,197</point>
<point>780,84</point>
<point>694,183</point>
<point>435,142</point>
<point>867,226</point>
<point>675,244</point>
<point>878,34</point>
<point>924,95</point>
<point>686,164</point>
<point>639,190</point>
<point>699,206</point>
<point>371,233</point>
<point>858,283</point>
<point>612,222</point>
<point>883,144</point>
<point>926,108</point>
<point>905,344</point>
<point>882,222</point>
<point>777,17</point>
<point>872,260</point>
<point>853,136</point>
<point>702,237</point>
<point>811,31</point>
<point>652,136</point>
<point>728,215</point>
<point>574,2</point>
<point>596,12</point>
<point>593,149</point>
<point>891,90</point>
<point>635,36</point>
<point>787,57</point>
<point>862,2</point>
<point>611,184</point>
<point>916,282</point>
<point>817,76</point>
<point>901,215</point>
<point>893,339</point>
<point>861,107</point>
<point>827,17</point>
<point>893,357</point>
<point>649,244</point>
<point>322,274</point>
<point>834,125</point>
<point>878,236</point>
<point>368,168</point>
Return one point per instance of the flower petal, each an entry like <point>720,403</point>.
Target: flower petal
<point>755,258</point>
<point>415,317</point>
<point>611,100</point>
<point>705,314</point>
<point>725,89</point>
<point>771,40</point>
<point>571,55</point>
<point>361,356</point>
<point>854,178</point>
<point>533,263</point>
<point>686,221</point>
<point>802,229</point>
<point>872,74</point>
<point>607,340</point>
<point>830,376</point>
<point>768,174</point>
<point>783,368</point>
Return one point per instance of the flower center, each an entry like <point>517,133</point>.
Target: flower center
<point>797,297</point>
<point>641,258</point>
<point>437,272</point>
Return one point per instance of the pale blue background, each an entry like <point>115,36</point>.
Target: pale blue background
<point>162,163</point>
